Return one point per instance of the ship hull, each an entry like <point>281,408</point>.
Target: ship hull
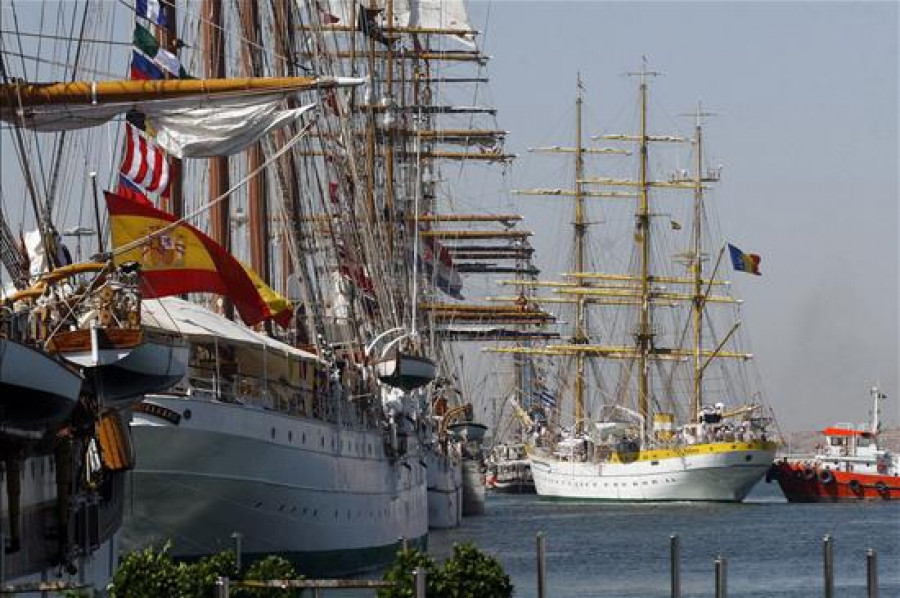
<point>444,491</point>
<point>325,497</point>
<point>473,487</point>
<point>123,369</point>
<point>38,392</point>
<point>720,472</point>
<point>802,483</point>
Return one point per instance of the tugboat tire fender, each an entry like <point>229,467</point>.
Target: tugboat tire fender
<point>809,474</point>
<point>855,486</point>
<point>883,490</point>
<point>826,477</point>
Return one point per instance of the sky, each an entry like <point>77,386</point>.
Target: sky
<point>806,103</point>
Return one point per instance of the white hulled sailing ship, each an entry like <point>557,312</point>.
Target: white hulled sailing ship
<point>671,420</point>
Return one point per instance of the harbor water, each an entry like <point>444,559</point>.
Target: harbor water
<point>773,548</point>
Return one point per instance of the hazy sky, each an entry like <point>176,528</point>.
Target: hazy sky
<point>806,95</point>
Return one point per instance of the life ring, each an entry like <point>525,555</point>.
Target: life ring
<point>826,477</point>
<point>809,474</point>
<point>883,490</point>
<point>855,486</point>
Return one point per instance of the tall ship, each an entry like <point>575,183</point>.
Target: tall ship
<point>664,408</point>
<point>848,466</point>
<point>312,429</point>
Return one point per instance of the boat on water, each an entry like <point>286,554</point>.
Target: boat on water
<point>657,416</point>
<point>848,467</point>
<point>509,471</point>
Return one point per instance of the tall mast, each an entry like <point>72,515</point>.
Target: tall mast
<point>256,196</point>
<point>580,230</point>
<point>168,39</point>
<point>697,271</point>
<point>645,332</point>
<point>214,48</point>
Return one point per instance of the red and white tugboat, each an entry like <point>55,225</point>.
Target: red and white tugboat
<point>849,467</point>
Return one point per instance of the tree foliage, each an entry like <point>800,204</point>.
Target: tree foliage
<point>469,573</point>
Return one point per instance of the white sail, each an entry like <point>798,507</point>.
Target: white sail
<point>221,130</point>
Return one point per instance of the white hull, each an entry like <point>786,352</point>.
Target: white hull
<point>321,495</point>
<point>444,490</point>
<point>724,475</point>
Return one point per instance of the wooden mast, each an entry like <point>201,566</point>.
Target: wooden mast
<point>168,39</point>
<point>256,188</point>
<point>697,271</point>
<point>214,47</point>
<point>580,230</point>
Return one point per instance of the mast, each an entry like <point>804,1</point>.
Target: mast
<point>697,271</point>
<point>214,47</point>
<point>644,332</point>
<point>256,193</point>
<point>580,336</point>
<point>168,39</point>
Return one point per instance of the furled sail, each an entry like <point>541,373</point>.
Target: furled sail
<point>80,104</point>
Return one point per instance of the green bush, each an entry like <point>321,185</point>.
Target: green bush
<point>469,573</point>
<point>400,573</point>
<point>147,573</point>
<point>270,567</point>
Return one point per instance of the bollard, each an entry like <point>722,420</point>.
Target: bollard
<point>675,563</point>
<point>828,565</point>
<point>872,573</point>
<point>721,577</point>
<point>238,541</point>
<point>541,566</point>
<point>222,587</point>
<point>419,575</point>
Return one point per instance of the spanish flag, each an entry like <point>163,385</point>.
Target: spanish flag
<point>181,259</point>
<point>744,262</point>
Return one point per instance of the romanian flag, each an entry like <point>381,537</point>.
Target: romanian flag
<point>744,262</point>
<point>182,259</point>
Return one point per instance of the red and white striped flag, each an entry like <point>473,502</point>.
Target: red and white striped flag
<point>144,163</point>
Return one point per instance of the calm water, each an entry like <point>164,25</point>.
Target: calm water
<point>774,549</point>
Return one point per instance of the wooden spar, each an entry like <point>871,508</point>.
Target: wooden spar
<point>638,184</point>
<point>571,193</point>
<point>475,308</point>
<point>258,213</point>
<point>14,95</point>
<point>450,56</point>
<point>391,30</point>
<point>432,109</point>
<point>475,234</point>
<point>220,211</point>
<point>466,218</point>
<point>494,334</point>
<point>651,294</point>
<point>653,138</point>
<point>557,149</point>
<point>475,268</point>
<point>168,39</point>
<point>428,155</point>
<point>439,135</point>
<point>632,277</point>
<point>564,300</point>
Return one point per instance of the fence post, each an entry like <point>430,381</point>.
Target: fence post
<point>238,548</point>
<point>872,573</point>
<point>222,587</point>
<point>721,577</point>
<point>541,566</point>
<point>828,565</point>
<point>419,575</point>
<point>675,563</point>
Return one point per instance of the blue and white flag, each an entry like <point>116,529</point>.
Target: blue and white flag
<point>151,10</point>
